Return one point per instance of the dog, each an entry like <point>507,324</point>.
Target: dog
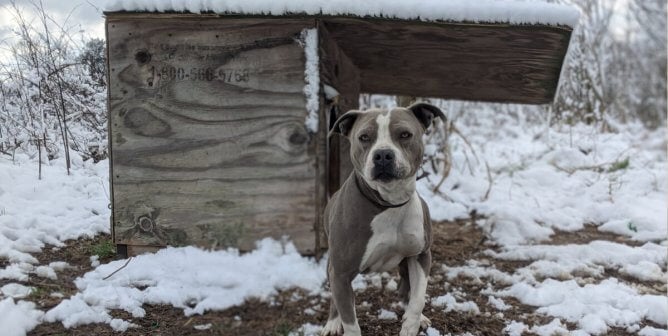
<point>377,221</point>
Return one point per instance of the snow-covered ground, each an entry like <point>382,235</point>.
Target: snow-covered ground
<point>544,181</point>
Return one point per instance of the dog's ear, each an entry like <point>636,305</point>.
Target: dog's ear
<point>344,124</point>
<point>426,113</point>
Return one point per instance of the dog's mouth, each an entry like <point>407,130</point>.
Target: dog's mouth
<point>384,174</point>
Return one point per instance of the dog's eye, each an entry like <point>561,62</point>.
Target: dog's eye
<point>405,135</point>
<point>364,137</point>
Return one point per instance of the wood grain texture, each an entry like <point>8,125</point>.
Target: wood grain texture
<point>493,62</point>
<point>337,71</point>
<point>207,132</point>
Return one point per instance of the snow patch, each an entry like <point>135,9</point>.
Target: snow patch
<point>498,303</point>
<point>449,302</point>
<point>555,327</point>
<point>34,213</point>
<point>515,328</point>
<point>387,315</point>
<point>46,272</point>
<point>309,40</point>
<point>18,318</point>
<point>651,331</point>
<point>391,285</point>
<point>536,189</point>
<point>15,290</point>
<point>203,326</point>
<point>556,260</point>
<point>594,307</point>
<point>94,261</point>
<point>219,280</point>
<point>517,12</point>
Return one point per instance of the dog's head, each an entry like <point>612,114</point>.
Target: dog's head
<point>386,145</point>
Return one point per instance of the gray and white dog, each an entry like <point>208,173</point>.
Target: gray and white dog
<point>377,221</point>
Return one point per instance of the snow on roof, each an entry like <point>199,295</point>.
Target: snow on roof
<point>506,11</point>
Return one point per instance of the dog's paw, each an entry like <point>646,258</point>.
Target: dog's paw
<point>410,327</point>
<point>332,328</point>
<point>424,322</point>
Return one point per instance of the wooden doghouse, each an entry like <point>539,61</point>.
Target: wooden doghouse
<point>207,111</point>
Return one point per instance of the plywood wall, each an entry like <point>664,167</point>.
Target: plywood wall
<point>207,132</point>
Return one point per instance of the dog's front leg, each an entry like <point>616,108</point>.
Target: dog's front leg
<point>344,299</point>
<point>418,270</point>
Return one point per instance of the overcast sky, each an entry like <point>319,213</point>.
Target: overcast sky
<point>85,15</point>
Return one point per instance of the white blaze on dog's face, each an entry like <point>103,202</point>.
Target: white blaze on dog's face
<point>384,156</point>
<point>386,145</point>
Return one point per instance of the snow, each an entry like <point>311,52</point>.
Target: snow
<point>76,311</point>
<point>552,260</point>
<point>644,270</point>
<point>218,280</point>
<point>203,326</point>
<point>555,327</point>
<point>391,285</point>
<point>309,40</point>
<point>449,303</point>
<point>498,303</point>
<point>384,314</point>
<point>46,272</point>
<point>15,290</point>
<point>543,181</point>
<point>59,207</point>
<point>94,260</point>
<point>36,213</point>
<point>17,318</point>
<point>59,266</point>
<point>651,331</point>
<point>515,328</point>
<point>594,307</point>
<point>515,12</point>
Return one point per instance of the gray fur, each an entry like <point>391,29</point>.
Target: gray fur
<point>351,211</point>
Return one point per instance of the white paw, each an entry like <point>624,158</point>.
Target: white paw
<point>333,327</point>
<point>424,322</point>
<point>410,327</point>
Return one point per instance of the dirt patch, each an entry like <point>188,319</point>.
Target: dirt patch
<point>587,235</point>
<point>47,292</point>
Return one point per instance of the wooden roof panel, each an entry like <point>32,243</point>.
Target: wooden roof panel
<point>482,62</point>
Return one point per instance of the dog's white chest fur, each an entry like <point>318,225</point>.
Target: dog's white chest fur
<point>397,233</point>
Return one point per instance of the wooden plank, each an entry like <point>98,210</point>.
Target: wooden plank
<point>134,250</point>
<point>492,62</point>
<point>207,132</point>
<point>109,132</point>
<point>337,71</point>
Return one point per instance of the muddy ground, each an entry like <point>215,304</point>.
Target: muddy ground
<point>454,244</point>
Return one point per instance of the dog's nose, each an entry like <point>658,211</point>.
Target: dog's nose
<point>383,157</point>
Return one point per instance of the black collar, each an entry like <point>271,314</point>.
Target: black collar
<point>373,196</point>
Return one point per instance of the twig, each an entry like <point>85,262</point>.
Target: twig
<point>447,165</point>
<point>490,180</point>
<point>116,271</point>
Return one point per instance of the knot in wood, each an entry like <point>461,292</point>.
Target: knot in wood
<point>298,138</point>
<point>145,223</point>
<point>142,57</point>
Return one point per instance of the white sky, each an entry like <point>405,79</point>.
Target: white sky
<point>85,15</point>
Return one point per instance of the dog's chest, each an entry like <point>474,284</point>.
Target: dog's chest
<point>397,233</point>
